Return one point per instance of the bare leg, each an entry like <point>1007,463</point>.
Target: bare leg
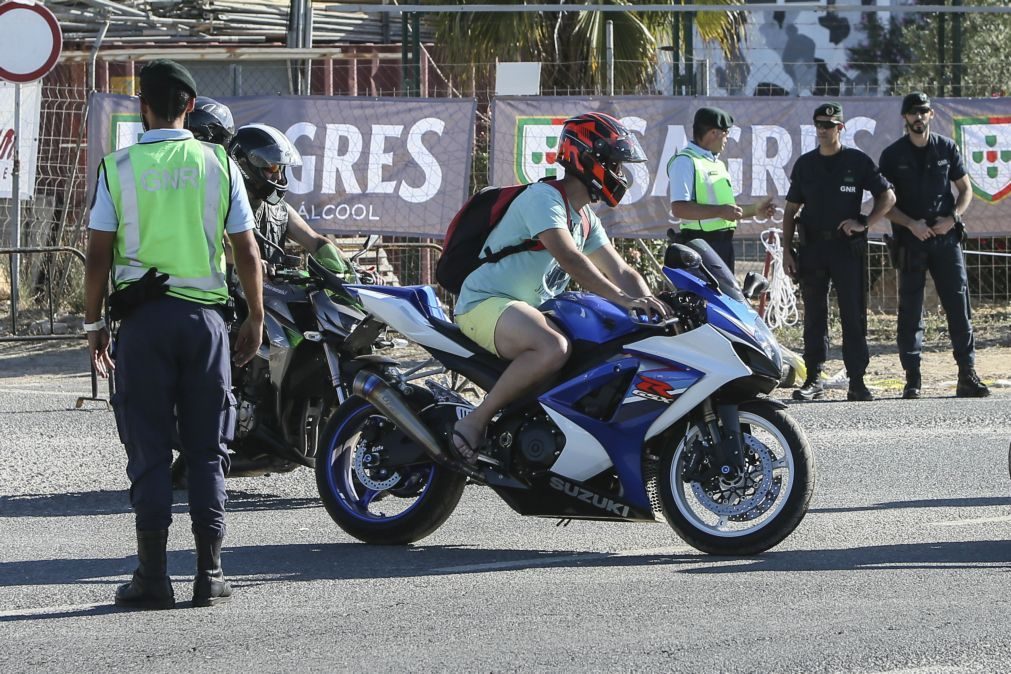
<point>537,351</point>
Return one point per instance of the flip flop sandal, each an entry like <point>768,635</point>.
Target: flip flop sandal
<point>467,452</point>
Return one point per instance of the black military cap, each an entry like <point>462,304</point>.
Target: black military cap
<point>831,110</point>
<point>162,73</point>
<point>917,99</point>
<point>713,118</point>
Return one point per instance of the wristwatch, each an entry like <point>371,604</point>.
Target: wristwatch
<point>96,326</point>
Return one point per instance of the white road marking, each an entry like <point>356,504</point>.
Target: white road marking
<point>564,559</point>
<point>980,520</point>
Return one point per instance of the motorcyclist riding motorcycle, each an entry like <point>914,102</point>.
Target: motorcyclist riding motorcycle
<point>263,154</point>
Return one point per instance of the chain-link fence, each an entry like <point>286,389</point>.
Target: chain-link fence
<point>58,211</point>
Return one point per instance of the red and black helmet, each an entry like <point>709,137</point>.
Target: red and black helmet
<point>592,147</point>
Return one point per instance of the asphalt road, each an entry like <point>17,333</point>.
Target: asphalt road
<point>902,564</point>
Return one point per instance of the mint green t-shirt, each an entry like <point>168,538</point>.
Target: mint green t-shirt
<point>531,276</point>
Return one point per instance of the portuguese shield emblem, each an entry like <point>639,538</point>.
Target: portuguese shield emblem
<point>985,143</point>
<point>537,148</point>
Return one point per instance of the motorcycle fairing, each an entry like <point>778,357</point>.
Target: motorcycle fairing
<point>592,446</point>
<point>411,317</point>
<point>333,316</point>
<point>708,353</point>
<point>588,318</point>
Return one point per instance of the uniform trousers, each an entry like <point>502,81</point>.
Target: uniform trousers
<point>942,256</point>
<point>722,242</point>
<point>843,265</point>
<point>172,372</point>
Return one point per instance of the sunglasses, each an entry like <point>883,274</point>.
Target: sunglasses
<point>826,125</point>
<point>919,111</point>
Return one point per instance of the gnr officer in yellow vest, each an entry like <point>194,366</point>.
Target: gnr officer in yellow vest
<point>161,210</point>
<point>701,195</point>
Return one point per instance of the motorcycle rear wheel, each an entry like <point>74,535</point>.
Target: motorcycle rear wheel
<point>395,513</point>
<point>755,512</point>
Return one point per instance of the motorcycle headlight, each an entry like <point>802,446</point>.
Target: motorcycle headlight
<point>767,340</point>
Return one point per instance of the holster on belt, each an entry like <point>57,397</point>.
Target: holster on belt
<point>963,236</point>
<point>858,243</point>
<point>125,301</point>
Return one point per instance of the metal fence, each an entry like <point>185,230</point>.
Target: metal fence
<point>57,214</point>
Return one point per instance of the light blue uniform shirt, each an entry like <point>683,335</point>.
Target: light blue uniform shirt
<point>531,276</point>
<point>681,175</point>
<point>240,215</point>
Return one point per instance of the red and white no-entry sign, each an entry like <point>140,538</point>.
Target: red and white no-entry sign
<point>31,41</point>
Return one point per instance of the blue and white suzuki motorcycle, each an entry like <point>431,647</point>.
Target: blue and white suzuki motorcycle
<point>644,420</point>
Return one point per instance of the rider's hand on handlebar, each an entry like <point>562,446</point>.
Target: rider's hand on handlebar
<point>647,306</point>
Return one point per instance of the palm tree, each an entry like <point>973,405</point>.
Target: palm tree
<point>571,45</point>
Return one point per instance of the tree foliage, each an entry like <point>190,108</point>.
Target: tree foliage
<point>907,49</point>
<point>572,45</point>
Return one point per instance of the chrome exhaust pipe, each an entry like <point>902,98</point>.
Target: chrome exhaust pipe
<point>372,388</point>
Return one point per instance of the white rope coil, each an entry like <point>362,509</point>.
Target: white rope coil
<point>781,303</point>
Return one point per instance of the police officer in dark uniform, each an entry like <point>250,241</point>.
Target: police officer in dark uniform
<point>829,183</point>
<point>161,210</point>
<point>928,234</point>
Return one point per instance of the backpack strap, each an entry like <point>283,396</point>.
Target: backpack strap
<point>534,244</point>
<point>583,218</point>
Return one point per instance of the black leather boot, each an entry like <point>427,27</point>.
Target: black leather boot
<point>151,588</point>
<point>858,392</point>
<point>969,385</point>
<point>911,391</point>
<point>209,587</point>
<point>812,388</point>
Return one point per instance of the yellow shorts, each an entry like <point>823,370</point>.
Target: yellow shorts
<point>479,323</point>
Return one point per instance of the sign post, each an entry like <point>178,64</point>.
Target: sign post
<point>27,59</point>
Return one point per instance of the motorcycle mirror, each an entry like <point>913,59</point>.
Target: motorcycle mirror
<point>754,285</point>
<point>370,241</point>
<point>679,256</point>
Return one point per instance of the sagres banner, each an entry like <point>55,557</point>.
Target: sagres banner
<point>770,133</point>
<point>386,166</point>
<point>27,145</point>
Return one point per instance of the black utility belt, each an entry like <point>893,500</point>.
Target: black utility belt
<point>814,234</point>
<point>718,235</point>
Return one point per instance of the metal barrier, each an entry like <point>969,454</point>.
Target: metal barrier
<point>13,254</point>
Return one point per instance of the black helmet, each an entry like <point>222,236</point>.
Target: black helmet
<point>261,151</point>
<point>211,121</point>
<point>593,146</point>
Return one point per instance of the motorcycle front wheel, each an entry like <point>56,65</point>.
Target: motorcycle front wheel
<point>376,503</point>
<point>754,511</point>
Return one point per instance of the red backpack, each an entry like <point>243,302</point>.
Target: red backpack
<point>462,248</point>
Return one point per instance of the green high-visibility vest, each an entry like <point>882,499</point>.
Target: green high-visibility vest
<point>712,187</point>
<point>171,198</point>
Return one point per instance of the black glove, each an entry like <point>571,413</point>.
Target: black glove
<point>124,301</point>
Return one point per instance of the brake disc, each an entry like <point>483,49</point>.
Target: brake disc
<point>364,472</point>
<point>750,494</point>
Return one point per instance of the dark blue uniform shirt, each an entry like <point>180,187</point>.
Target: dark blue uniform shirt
<point>831,188</point>
<point>923,176</point>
